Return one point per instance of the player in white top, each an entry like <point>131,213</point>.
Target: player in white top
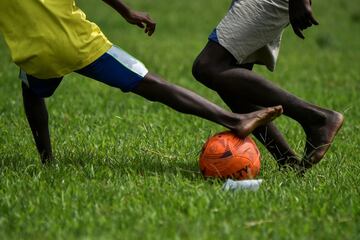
<point>249,34</point>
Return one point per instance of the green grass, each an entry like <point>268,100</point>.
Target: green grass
<point>127,168</point>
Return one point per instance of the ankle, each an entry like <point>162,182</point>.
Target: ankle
<point>46,158</point>
<point>232,120</point>
<point>313,118</point>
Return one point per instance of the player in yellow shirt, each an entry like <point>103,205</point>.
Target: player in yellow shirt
<point>51,38</point>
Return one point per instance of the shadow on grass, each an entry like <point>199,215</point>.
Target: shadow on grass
<point>17,162</point>
<point>91,161</point>
<point>91,164</point>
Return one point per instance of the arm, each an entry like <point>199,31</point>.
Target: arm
<point>301,17</point>
<point>141,19</point>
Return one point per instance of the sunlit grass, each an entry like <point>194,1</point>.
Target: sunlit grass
<point>127,169</point>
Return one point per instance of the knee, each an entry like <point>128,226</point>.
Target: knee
<point>197,69</point>
<point>203,71</point>
<point>152,87</point>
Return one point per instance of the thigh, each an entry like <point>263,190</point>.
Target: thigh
<point>41,87</point>
<point>216,56</point>
<point>116,68</point>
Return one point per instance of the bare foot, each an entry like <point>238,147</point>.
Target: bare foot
<point>290,161</point>
<point>320,137</point>
<point>250,121</point>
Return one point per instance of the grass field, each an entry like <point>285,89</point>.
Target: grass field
<point>128,169</point>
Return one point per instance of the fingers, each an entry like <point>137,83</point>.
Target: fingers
<point>297,30</point>
<point>150,25</point>
<point>303,23</point>
<point>147,23</point>
<point>313,20</point>
<point>301,17</point>
<point>140,25</point>
<point>142,20</point>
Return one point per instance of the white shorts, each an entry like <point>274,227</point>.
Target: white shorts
<point>251,30</point>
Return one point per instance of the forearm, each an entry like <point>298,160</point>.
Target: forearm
<point>119,6</point>
<point>141,19</point>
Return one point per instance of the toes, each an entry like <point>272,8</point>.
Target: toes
<point>279,109</point>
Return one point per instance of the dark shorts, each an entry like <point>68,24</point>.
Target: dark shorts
<point>115,68</point>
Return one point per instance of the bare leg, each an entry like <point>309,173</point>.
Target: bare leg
<point>267,134</point>
<point>215,68</point>
<point>37,117</point>
<point>320,136</point>
<point>154,88</point>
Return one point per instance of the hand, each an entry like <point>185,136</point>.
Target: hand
<point>301,17</point>
<point>142,20</point>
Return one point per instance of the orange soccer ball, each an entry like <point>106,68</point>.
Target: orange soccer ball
<point>225,155</point>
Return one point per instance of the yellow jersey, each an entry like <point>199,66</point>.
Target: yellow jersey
<point>50,38</point>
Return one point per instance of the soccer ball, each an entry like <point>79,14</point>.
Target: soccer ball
<point>225,155</point>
